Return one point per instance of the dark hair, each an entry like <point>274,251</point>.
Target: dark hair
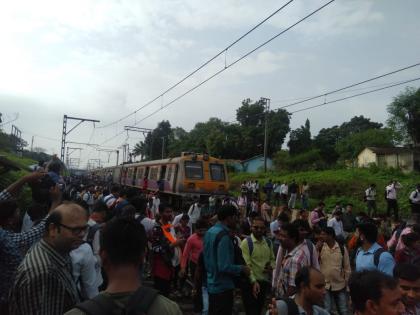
<point>139,203</point>
<point>100,207</point>
<point>408,272</point>
<point>201,224</point>
<point>128,211</point>
<point>300,223</point>
<point>36,211</point>
<point>54,166</point>
<point>329,231</point>
<point>369,230</point>
<point>124,240</point>
<point>8,209</point>
<point>303,277</point>
<point>410,238</point>
<point>115,189</point>
<point>185,217</point>
<point>283,217</point>
<point>292,231</point>
<point>321,203</point>
<point>226,211</point>
<point>368,285</point>
<point>258,218</point>
<point>163,206</point>
<point>253,214</point>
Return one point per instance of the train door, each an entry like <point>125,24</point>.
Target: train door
<point>133,183</point>
<point>175,179</point>
<point>161,180</point>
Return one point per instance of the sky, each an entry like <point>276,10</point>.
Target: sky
<point>103,60</point>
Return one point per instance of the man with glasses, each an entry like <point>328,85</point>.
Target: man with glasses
<point>259,257</point>
<point>44,283</point>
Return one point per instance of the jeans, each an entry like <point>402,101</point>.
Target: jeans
<point>221,303</point>
<point>339,298</point>
<point>205,293</point>
<point>254,306</point>
<point>371,207</point>
<point>392,205</point>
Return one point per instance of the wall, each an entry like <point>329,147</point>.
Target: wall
<point>365,158</point>
<point>257,164</point>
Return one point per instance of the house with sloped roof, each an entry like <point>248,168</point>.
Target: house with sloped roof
<point>406,159</point>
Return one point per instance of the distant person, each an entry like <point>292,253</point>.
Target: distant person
<point>415,204</point>
<point>391,198</point>
<point>304,195</point>
<point>370,198</point>
<point>293,191</point>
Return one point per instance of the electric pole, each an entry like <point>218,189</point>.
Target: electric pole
<point>65,132</point>
<point>163,147</point>
<point>267,108</point>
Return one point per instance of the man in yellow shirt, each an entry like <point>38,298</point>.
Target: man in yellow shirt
<point>259,257</point>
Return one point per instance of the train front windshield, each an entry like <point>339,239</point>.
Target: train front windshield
<point>194,169</point>
<point>217,172</point>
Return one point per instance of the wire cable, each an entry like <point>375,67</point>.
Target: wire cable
<point>202,66</point>
<point>355,95</point>
<point>226,67</point>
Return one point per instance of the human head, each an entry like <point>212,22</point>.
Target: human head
<point>338,214</point>
<point>368,232</point>
<point>289,236</point>
<point>258,228</point>
<point>408,276</point>
<point>184,219</point>
<point>91,188</point>
<point>115,190</point>
<point>321,205</point>
<point>99,212</point>
<point>128,211</point>
<point>9,214</point>
<point>54,166</point>
<point>328,234</point>
<point>303,228</point>
<point>303,214</point>
<point>66,226</point>
<point>165,212</point>
<point>140,204</point>
<point>283,218</point>
<point>372,185</point>
<point>410,239</point>
<point>373,292</point>
<point>349,207</point>
<point>123,242</point>
<point>228,215</point>
<point>201,226</point>
<point>310,285</point>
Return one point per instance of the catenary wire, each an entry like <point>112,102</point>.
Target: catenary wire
<point>201,66</point>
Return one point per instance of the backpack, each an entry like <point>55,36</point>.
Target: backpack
<point>251,244</point>
<point>415,196</point>
<point>139,303</point>
<point>91,233</point>
<point>311,250</point>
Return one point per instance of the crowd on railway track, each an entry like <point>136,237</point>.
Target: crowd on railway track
<point>89,249</point>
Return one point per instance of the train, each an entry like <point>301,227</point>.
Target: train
<point>189,176</point>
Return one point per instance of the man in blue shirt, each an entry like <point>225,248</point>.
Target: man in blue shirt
<point>219,260</point>
<point>371,255</point>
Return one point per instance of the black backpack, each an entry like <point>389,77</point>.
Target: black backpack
<point>138,304</point>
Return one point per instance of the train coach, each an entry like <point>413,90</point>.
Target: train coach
<point>180,178</point>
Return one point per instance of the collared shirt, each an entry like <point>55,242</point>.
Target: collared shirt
<point>282,309</point>
<point>412,311</point>
<point>5,195</point>
<point>262,255</point>
<point>44,283</point>
<point>335,268</point>
<point>192,250</point>
<point>86,271</point>
<point>291,263</point>
<point>284,189</point>
<point>364,260</point>
<point>370,193</point>
<point>12,250</point>
<point>391,190</point>
<point>337,226</point>
<point>219,262</point>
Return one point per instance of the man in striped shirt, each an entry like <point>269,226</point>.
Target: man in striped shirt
<point>44,283</point>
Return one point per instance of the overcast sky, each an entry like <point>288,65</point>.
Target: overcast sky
<point>105,59</point>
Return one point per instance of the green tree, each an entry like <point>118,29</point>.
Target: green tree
<point>351,146</point>
<point>404,116</point>
<point>300,139</point>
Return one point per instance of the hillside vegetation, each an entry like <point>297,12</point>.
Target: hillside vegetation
<point>340,185</point>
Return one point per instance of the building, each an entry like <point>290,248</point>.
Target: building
<point>256,164</point>
<point>406,159</point>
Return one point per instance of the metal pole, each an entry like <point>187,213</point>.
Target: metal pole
<point>118,156</point>
<point>32,144</point>
<point>267,107</point>
<point>163,147</point>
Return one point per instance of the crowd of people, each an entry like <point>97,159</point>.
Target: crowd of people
<point>89,249</point>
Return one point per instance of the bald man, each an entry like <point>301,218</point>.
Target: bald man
<point>43,283</point>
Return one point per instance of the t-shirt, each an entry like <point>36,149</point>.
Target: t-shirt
<point>160,306</point>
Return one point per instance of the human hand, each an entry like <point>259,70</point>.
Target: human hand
<point>272,307</point>
<point>33,177</point>
<point>255,289</point>
<point>246,270</point>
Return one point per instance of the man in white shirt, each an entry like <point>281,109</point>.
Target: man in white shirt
<point>415,204</point>
<point>88,197</point>
<point>194,213</point>
<point>370,197</point>
<point>155,204</point>
<point>337,225</point>
<point>391,198</point>
<point>284,191</point>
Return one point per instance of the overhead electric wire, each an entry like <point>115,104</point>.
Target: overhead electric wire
<point>202,66</point>
<point>352,85</point>
<point>355,95</point>
<point>227,67</point>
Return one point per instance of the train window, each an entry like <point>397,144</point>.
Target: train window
<point>217,172</point>
<point>153,173</point>
<point>140,172</point>
<point>169,173</point>
<point>194,169</point>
